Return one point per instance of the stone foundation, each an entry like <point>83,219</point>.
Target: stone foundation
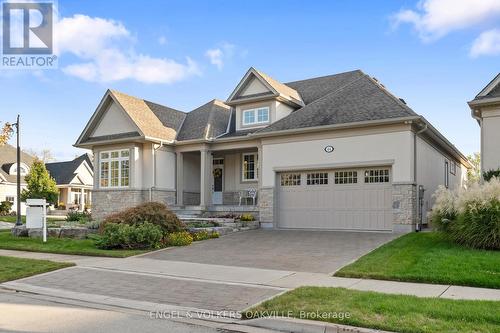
<point>164,196</point>
<point>404,207</point>
<point>266,207</point>
<point>105,202</point>
<point>191,198</point>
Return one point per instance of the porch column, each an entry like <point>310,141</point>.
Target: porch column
<point>180,178</point>
<point>205,182</point>
<point>259,172</point>
<point>68,198</point>
<point>82,201</point>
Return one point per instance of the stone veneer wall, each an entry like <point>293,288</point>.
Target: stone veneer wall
<point>105,202</point>
<point>191,198</point>
<point>404,207</point>
<point>266,206</point>
<point>164,196</point>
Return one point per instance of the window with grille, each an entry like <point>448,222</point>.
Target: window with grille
<point>317,178</point>
<point>346,177</point>
<point>290,179</point>
<point>377,176</point>
<point>114,168</point>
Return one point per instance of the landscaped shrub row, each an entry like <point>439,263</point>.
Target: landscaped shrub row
<point>470,216</point>
<point>125,236</point>
<point>149,225</point>
<point>152,212</point>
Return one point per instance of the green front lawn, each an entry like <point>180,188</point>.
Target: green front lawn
<point>13,219</point>
<point>60,245</point>
<point>16,268</point>
<point>398,313</point>
<point>428,257</point>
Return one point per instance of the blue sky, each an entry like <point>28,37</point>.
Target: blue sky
<point>184,53</point>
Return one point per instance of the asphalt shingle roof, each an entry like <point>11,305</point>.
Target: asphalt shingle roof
<point>8,156</point>
<point>353,97</point>
<point>64,172</point>
<point>208,121</point>
<point>495,92</point>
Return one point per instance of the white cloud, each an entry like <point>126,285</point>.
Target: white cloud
<point>219,55</point>
<point>435,18</point>
<point>488,43</point>
<point>105,49</point>
<point>215,57</point>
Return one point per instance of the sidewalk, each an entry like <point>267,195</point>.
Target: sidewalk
<point>245,276</point>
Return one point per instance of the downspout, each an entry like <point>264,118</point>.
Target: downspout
<point>480,122</point>
<point>418,225</point>
<point>154,171</point>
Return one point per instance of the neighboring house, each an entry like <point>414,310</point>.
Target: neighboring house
<point>336,152</point>
<point>485,109</point>
<point>8,174</point>
<point>75,180</point>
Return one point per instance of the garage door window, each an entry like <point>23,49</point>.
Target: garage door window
<point>290,179</point>
<point>317,178</point>
<point>346,177</point>
<point>377,176</point>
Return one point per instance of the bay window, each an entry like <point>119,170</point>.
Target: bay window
<point>114,168</point>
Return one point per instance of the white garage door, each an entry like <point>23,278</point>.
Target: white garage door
<point>354,199</point>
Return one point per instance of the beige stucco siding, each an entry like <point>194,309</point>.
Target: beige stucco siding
<point>491,139</point>
<point>192,172</point>
<point>352,150</point>
<point>431,171</point>
<point>114,121</point>
<point>254,87</point>
<point>165,166</point>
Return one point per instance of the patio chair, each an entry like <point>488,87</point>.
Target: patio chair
<point>250,193</point>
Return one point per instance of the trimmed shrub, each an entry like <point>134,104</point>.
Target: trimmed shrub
<point>488,175</point>
<point>81,217</point>
<point>5,207</point>
<point>214,234</point>
<point>470,216</point>
<point>124,236</point>
<point>152,212</point>
<point>180,238</point>
<point>247,218</point>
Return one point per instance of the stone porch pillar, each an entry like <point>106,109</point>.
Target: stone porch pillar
<point>180,178</point>
<point>205,181</point>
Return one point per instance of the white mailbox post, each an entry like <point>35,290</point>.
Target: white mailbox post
<point>36,215</point>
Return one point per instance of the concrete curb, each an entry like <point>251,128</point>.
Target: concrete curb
<point>305,326</point>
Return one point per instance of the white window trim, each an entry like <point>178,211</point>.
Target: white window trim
<point>256,116</point>
<point>112,159</point>
<point>256,167</point>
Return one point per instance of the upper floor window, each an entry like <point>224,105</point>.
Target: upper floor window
<point>114,168</point>
<point>453,169</point>
<point>249,167</point>
<point>256,116</point>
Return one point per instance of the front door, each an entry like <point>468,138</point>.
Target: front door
<point>218,183</point>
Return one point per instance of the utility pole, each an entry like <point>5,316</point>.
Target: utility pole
<point>18,173</point>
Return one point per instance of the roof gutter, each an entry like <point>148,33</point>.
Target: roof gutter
<point>334,126</point>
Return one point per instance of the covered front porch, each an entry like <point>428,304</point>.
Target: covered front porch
<point>219,180</point>
<point>74,197</point>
